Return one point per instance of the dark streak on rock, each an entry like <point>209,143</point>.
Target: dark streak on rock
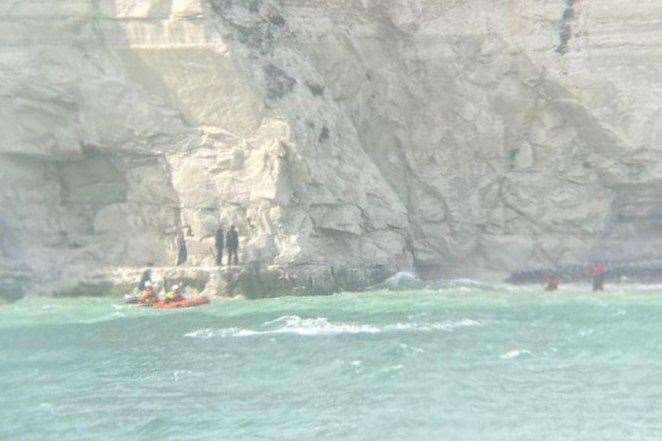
<point>278,82</point>
<point>315,89</point>
<point>261,33</point>
<point>565,27</point>
<point>324,135</point>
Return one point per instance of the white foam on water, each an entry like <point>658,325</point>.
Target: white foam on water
<point>206,333</point>
<point>453,325</point>
<point>515,353</point>
<point>409,350</point>
<point>448,326</point>
<point>397,367</point>
<point>50,307</point>
<point>181,374</point>
<point>244,333</point>
<point>291,324</point>
<point>321,326</point>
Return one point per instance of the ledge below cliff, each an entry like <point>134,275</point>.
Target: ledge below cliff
<point>251,281</point>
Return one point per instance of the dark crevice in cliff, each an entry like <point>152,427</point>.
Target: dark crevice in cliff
<point>565,27</point>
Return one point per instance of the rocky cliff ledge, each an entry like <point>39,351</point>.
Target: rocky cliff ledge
<point>355,137</point>
<point>251,281</point>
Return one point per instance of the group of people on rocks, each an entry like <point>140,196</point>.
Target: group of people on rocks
<point>229,240</point>
<point>597,272</point>
<point>227,243</point>
<point>222,241</point>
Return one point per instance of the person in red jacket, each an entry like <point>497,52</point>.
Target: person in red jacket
<point>598,272</point>
<point>552,282</point>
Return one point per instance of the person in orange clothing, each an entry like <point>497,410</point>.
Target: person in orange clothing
<point>175,295</point>
<point>149,296</point>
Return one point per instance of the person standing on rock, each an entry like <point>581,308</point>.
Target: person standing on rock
<point>182,251</point>
<point>598,272</point>
<point>232,243</point>
<point>146,277</point>
<point>552,282</point>
<point>219,239</point>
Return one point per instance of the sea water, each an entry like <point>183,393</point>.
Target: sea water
<point>456,364</point>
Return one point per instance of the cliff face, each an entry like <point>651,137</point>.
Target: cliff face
<point>362,137</point>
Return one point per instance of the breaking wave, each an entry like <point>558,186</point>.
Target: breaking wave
<point>448,326</point>
<point>320,326</point>
<point>293,324</point>
<point>515,354</point>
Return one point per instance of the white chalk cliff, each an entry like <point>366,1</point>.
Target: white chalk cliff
<point>355,137</point>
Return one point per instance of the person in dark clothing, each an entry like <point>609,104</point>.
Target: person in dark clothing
<point>232,243</point>
<point>598,272</point>
<point>182,252</point>
<point>146,277</point>
<point>220,244</point>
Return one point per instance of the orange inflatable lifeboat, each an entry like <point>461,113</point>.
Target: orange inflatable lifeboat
<point>186,303</point>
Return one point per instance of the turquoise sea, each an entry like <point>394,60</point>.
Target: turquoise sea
<point>456,364</point>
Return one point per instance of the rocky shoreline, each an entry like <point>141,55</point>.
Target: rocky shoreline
<point>256,281</point>
<point>249,281</point>
<point>641,272</point>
